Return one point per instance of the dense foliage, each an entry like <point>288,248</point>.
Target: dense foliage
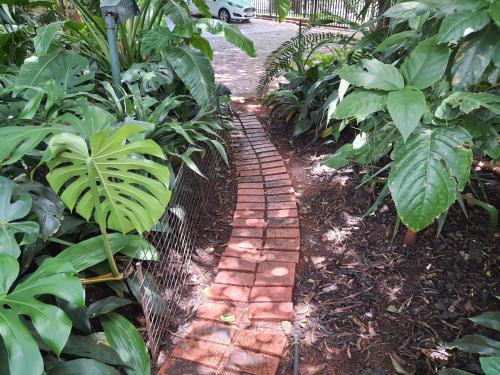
<point>87,168</point>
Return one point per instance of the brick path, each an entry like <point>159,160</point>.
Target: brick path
<point>256,271</point>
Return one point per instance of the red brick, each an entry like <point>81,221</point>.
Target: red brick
<point>176,366</point>
<point>274,171</point>
<point>245,243</point>
<point>281,205</point>
<point>262,342</point>
<point>274,311</point>
<point>283,213</point>
<point>257,139</point>
<point>274,164</point>
<point>278,183</point>
<point>248,167</point>
<point>249,179</point>
<point>282,244</point>
<point>200,352</point>
<point>248,232</point>
<point>261,144</point>
<point>255,131</point>
<point>245,162</point>
<point>281,198</point>
<point>243,149</point>
<point>249,223</point>
<point>281,256</point>
<point>235,278</point>
<point>222,292</point>
<point>271,294</point>
<point>251,198</point>
<point>259,192</point>
<point>275,177</point>
<point>248,214</point>
<point>279,276</point>
<point>270,159</point>
<point>249,362</point>
<point>283,222</point>
<point>249,173</point>
<point>283,233</point>
<point>213,311</point>
<point>287,190</point>
<point>250,254</point>
<point>269,153</point>
<point>210,331</point>
<point>251,206</point>
<point>237,264</point>
<point>264,149</point>
<point>243,158</point>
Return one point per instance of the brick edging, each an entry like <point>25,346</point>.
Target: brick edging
<point>256,272</point>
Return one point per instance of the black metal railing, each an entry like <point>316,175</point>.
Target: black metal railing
<point>349,10</point>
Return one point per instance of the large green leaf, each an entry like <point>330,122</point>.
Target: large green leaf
<point>282,7</point>
<point>10,213</point>
<point>88,253</point>
<point>490,319</point>
<point>230,32</point>
<point>473,57</point>
<point>111,181</point>
<point>490,365</point>
<point>377,75</point>
<point>476,344</point>
<point>67,69</point>
<point>426,64</point>
<point>406,10</point>
<point>468,102</point>
<point>460,25</point>
<point>427,172</point>
<point>195,70</point>
<point>177,13</point>
<point>150,76</point>
<point>394,40</point>
<point>125,339</point>
<point>83,366</point>
<point>17,141</point>
<point>373,101</point>
<point>495,12</point>
<point>45,36</point>
<point>91,120</point>
<point>106,305</point>
<point>53,277</point>
<point>406,107</point>
<point>92,346</point>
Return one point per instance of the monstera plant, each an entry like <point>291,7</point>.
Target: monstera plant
<point>109,178</point>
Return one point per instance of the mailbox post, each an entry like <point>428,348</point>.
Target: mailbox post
<point>115,12</point>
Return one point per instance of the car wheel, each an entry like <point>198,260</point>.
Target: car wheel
<point>224,15</point>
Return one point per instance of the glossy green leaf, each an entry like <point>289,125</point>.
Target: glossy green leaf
<point>83,366</point>
<point>426,64</point>
<point>473,57</point>
<point>10,226</point>
<point>377,75</point>
<point>202,7</point>
<point>45,36</point>
<point>91,120</point>
<point>282,8</point>
<point>495,12</point>
<point>341,158</point>
<point>373,101</point>
<point>106,305</point>
<point>406,107</point>
<point>490,365</point>
<point>92,347</point>
<point>406,10</point>
<point>490,319</point>
<point>459,25</point>
<point>476,344</point>
<point>176,12</point>
<point>88,253</point>
<point>126,340</point>
<point>468,102</point>
<point>427,172</point>
<point>195,70</point>
<point>152,295</point>
<point>110,182</point>
<point>53,277</point>
<point>394,40</point>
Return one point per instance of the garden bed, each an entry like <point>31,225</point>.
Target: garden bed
<point>361,298</point>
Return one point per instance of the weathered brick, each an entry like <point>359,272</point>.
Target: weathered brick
<point>264,150</point>
<point>210,331</point>
<point>176,366</point>
<point>281,205</point>
<point>281,274</point>
<point>249,223</point>
<point>253,363</point>
<point>237,264</point>
<point>282,244</point>
<point>248,167</point>
<point>268,154</point>
<point>249,179</point>
<point>271,159</point>
<point>248,232</point>
<point>263,342</point>
<point>250,254</point>
<point>283,222</point>
<point>235,278</point>
<point>274,164</point>
<point>223,292</point>
<point>273,311</point>
<point>274,171</point>
<point>278,183</point>
<point>250,185</point>
<point>248,214</point>
<point>200,352</point>
<point>286,213</point>
<point>283,233</point>
<point>271,294</point>
<point>245,243</point>
<point>251,206</point>
<point>258,192</point>
<point>249,173</point>
<point>276,177</point>
<point>213,311</point>
<point>281,198</point>
<point>251,198</point>
<point>280,256</point>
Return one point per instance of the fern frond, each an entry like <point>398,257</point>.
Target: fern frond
<point>281,58</point>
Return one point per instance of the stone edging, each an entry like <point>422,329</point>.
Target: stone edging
<point>256,273</point>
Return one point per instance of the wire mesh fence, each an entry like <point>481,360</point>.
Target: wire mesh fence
<point>159,283</point>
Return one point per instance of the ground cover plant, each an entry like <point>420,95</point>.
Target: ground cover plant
<point>87,169</point>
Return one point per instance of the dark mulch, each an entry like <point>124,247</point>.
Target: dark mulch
<point>361,298</point>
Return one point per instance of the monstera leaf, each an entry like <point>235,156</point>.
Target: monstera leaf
<point>9,214</point>
<point>427,172</point>
<point>110,180</point>
<point>53,277</point>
